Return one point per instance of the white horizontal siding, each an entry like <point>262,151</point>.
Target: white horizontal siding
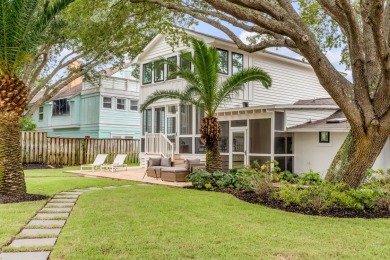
<point>301,116</point>
<point>291,82</point>
<point>160,49</point>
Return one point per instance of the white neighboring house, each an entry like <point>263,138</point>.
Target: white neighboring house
<point>257,124</point>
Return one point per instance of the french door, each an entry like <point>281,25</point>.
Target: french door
<point>238,148</point>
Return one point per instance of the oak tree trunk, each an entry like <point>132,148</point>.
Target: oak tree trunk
<point>356,155</point>
<point>210,131</point>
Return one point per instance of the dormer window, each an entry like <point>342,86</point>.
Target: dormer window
<point>223,63</point>
<point>61,107</point>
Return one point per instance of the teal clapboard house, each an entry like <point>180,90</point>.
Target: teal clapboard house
<point>105,108</point>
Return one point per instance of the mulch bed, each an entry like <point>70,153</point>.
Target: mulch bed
<point>252,197</point>
<point>37,166</point>
<point>4,199</point>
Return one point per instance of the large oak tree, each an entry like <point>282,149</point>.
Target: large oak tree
<point>309,27</point>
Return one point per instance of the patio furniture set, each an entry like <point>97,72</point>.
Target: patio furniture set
<point>164,168</point>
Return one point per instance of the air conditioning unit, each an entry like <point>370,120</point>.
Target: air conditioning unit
<point>245,104</point>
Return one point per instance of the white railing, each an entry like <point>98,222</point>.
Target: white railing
<point>159,144</point>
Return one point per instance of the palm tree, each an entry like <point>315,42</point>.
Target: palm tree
<point>23,24</point>
<point>204,89</point>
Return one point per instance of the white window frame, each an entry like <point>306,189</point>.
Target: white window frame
<point>104,103</point>
<point>41,113</point>
<point>130,105</point>
<point>116,104</point>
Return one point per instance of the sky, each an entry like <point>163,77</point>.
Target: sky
<point>334,55</point>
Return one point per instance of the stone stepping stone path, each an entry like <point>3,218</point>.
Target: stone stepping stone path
<point>36,240</point>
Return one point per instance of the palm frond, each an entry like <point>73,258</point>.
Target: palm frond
<point>170,94</point>
<point>236,83</point>
<point>22,27</point>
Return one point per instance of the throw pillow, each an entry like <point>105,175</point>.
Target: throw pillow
<point>154,161</point>
<point>166,162</point>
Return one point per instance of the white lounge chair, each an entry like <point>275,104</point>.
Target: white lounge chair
<point>119,161</point>
<point>99,161</point>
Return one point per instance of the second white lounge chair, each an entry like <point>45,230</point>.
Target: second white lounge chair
<point>119,161</point>
<point>99,161</point>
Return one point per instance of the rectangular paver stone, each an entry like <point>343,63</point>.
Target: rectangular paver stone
<point>81,190</point>
<point>67,209</point>
<point>40,231</point>
<point>109,187</point>
<point>33,242</point>
<point>64,196</point>
<point>57,205</point>
<point>71,193</point>
<point>94,188</point>
<point>63,200</point>
<point>52,215</point>
<point>25,255</point>
<point>46,222</point>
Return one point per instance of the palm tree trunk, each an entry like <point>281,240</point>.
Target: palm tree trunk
<point>11,169</point>
<point>13,101</point>
<point>211,131</point>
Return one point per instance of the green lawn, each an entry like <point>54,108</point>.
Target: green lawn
<point>14,216</point>
<point>153,222</point>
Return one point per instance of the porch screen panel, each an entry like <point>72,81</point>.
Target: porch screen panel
<point>199,116</point>
<point>285,162</point>
<point>147,121</point>
<point>185,145</point>
<point>224,139</point>
<point>260,136</point>
<point>186,120</point>
<point>283,143</point>
<point>159,120</point>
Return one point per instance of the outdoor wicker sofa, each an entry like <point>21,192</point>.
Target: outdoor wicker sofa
<point>165,169</point>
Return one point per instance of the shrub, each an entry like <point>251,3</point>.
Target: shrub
<point>326,196</point>
<point>311,178</point>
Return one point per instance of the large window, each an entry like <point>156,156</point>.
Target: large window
<point>237,62</point>
<point>158,71</point>
<point>260,136</point>
<point>185,61</point>
<point>147,121</point>
<point>107,102</point>
<point>159,120</point>
<point>171,68</point>
<point>40,114</point>
<point>61,107</point>
<point>186,120</point>
<point>147,73</point>
<point>223,63</point>
<point>121,104</point>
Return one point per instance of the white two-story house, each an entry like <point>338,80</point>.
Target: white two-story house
<point>257,124</point>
